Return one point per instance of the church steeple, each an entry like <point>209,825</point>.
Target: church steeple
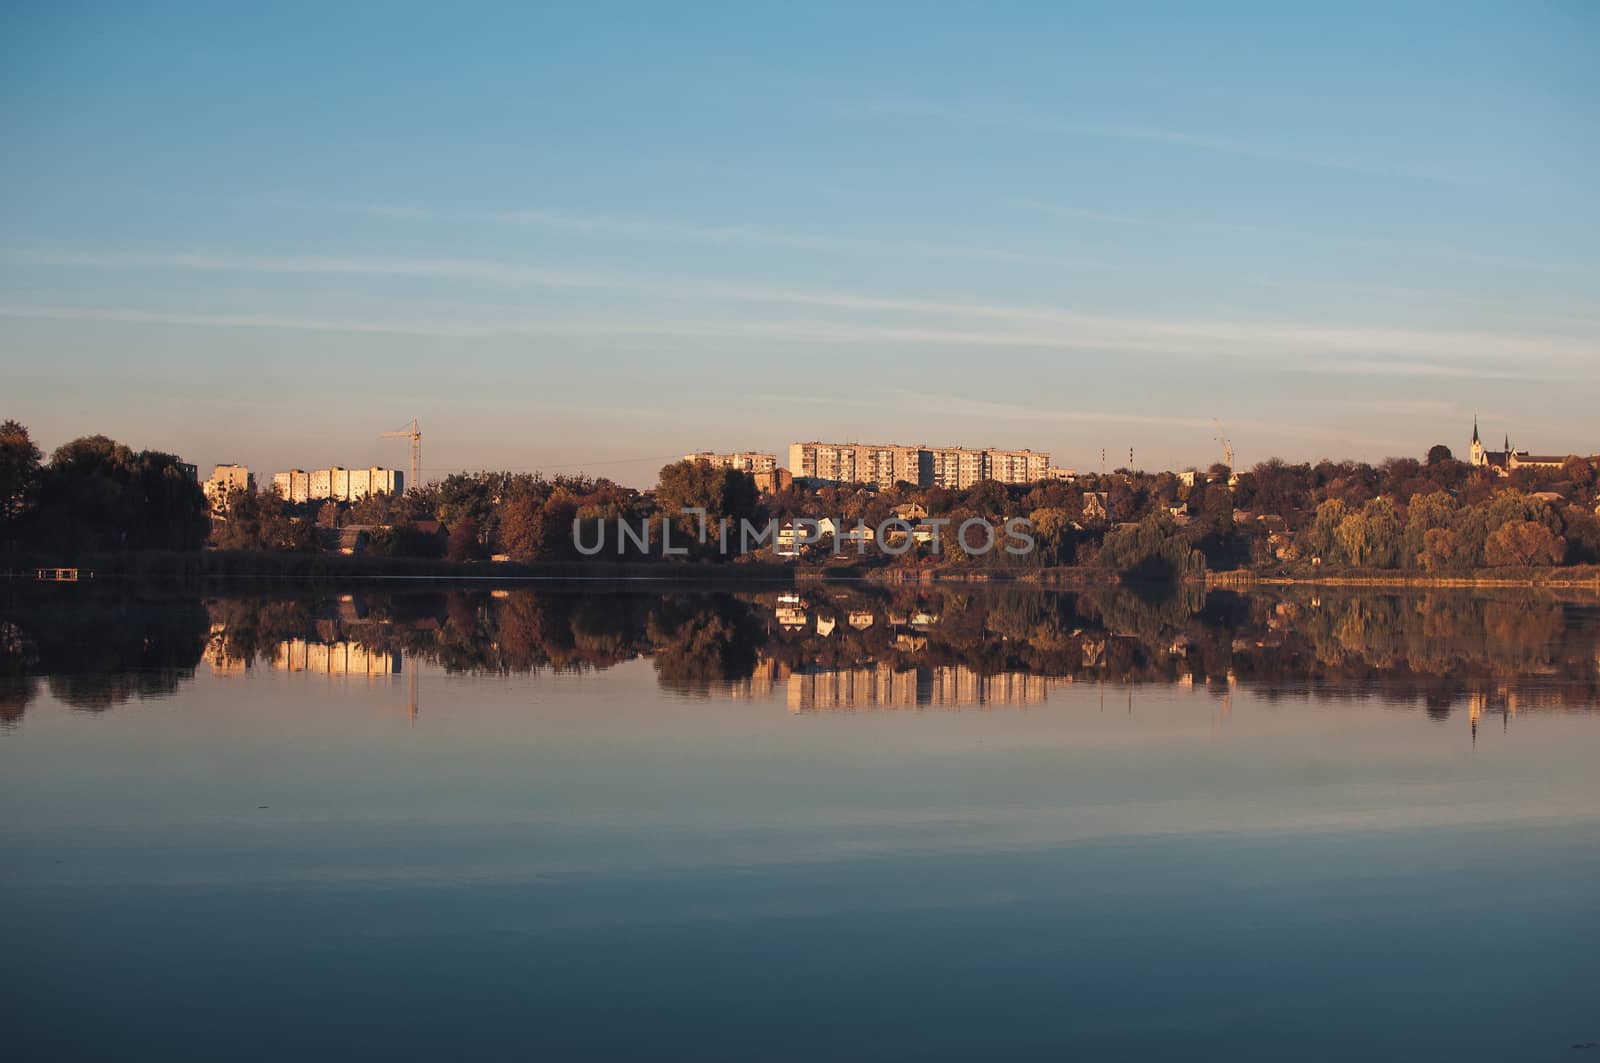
<point>1474,429</point>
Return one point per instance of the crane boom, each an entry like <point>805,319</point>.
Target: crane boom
<point>414,433</point>
<point>1227,444</point>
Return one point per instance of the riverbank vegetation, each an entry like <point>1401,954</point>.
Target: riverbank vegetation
<point>1440,519</point>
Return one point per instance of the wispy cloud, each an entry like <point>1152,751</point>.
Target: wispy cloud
<point>651,230</point>
<point>1012,117</point>
<point>1311,347</point>
<point>1399,248</point>
<point>930,404</point>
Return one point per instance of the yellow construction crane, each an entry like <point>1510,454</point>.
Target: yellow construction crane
<point>1227,445</point>
<point>415,435</point>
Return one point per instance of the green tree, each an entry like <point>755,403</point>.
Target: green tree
<point>1320,538</point>
<point>97,494</point>
<point>262,522</point>
<point>1053,534</point>
<point>1150,551</point>
<point>1435,510</point>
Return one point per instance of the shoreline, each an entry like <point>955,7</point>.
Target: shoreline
<point>211,567</point>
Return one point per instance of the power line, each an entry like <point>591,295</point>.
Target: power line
<point>584,464</point>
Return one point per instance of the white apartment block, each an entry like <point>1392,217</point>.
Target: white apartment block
<point>1018,466</point>
<point>743,461</point>
<point>338,483</point>
<point>884,465</point>
<point>226,478</point>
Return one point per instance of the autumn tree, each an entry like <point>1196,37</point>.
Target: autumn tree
<point>1523,543</point>
<point>1425,513</point>
<point>1441,550</point>
<point>262,522</point>
<point>721,493</point>
<point>19,473</point>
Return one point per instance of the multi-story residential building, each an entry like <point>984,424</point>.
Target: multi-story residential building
<point>1017,466</point>
<point>226,478</point>
<point>338,483</point>
<point>913,465</point>
<point>386,481</point>
<point>885,465</point>
<point>958,467</point>
<point>744,461</point>
<point>294,485</point>
<point>773,481</point>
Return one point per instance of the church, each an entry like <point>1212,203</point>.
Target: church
<point>1506,461</point>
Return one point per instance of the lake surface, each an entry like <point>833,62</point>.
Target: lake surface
<point>832,823</point>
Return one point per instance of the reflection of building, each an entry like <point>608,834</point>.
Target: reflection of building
<point>343,658</point>
<point>880,686</point>
<point>790,612</point>
<point>218,658</point>
<point>762,683</point>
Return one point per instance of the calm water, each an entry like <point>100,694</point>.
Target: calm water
<point>835,824</point>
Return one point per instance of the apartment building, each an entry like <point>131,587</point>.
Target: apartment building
<point>1017,466</point>
<point>294,485</point>
<point>750,461</point>
<point>958,467</point>
<point>337,482</point>
<point>884,465</point>
<point>226,478</point>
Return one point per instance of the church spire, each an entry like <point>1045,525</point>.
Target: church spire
<point>1474,428</point>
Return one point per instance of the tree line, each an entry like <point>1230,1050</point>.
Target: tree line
<point>94,495</point>
<point>1438,515</point>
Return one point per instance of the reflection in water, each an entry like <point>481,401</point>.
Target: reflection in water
<point>1099,870</point>
<point>830,647</point>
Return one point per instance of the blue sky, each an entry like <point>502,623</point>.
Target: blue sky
<point>597,237</point>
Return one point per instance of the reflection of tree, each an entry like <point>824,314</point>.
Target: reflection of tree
<point>98,649</point>
<point>15,694</point>
<point>1432,649</point>
<point>699,642</point>
<point>99,691</point>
